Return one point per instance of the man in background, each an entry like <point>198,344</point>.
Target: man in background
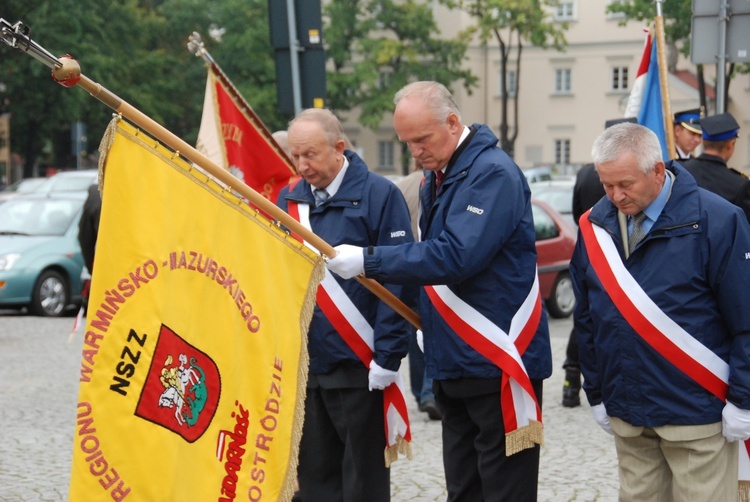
<point>687,133</point>
<point>710,168</point>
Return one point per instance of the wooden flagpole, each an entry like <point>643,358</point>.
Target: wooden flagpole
<point>666,105</point>
<point>197,47</point>
<point>67,72</point>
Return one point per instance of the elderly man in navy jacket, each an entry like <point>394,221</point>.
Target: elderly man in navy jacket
<point>485,328</point>
<point>356,342</point>
<point>660,270</point>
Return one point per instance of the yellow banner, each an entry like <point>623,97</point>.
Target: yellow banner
<point>194,358</point>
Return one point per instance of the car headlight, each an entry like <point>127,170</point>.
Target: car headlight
<point>7,260</point>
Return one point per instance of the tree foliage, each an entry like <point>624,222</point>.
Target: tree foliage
<point>513,23</point>
<point>378,46</point>
<point>137,50</point>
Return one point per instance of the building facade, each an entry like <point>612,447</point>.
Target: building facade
<point>564,97</point>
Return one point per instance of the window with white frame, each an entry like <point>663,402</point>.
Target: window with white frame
<point>617,15</point>
<point>562,151</point>
<point>511,83</point>
<point>619,81</point>
<point>385,155</point>
<point>562,80</point>
<point>565,10</point>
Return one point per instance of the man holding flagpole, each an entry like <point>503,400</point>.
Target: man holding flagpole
<point>485,328</point>
<point>355,404</point>
<point>660,272</point>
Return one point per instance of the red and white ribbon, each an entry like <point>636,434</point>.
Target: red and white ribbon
<point>358,335</point>
<point>518,399</point>
<point>656,328</point>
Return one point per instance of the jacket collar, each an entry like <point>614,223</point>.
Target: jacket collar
<point>351,189</point>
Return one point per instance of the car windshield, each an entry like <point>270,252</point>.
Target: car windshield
<point>24,216</point>
<point>65,184</point>
<point>25,185</point>
<point>560,199</point>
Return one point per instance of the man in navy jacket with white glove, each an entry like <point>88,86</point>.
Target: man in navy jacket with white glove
<point>485,328</point>
<point>660,271</point>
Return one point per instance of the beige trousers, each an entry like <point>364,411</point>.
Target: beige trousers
<point>675,463</point>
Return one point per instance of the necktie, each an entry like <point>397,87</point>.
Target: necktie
<point>439,179</point>
<point>637,234</point>
<point>320,196</point>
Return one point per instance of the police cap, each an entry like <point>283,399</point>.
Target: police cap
<point>689,119</point>
<point>720,127</point>
<point>612,122</point>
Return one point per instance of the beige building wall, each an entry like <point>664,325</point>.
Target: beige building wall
<point>596,45</point>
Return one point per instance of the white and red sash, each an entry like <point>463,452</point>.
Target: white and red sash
<point>354,329</point>
<point>646,318</point>
<point>522,415</point>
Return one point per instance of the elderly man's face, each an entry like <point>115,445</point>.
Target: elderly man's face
<point>686,139</point>
<point>315,159</point>
<point>431,142</point>
<point>627,186</point>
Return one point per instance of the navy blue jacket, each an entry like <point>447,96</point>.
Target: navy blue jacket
<point>478,239</point>
<point>695,265</point>
<point>367,210</point>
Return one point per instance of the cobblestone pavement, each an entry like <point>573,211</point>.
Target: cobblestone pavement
<point>38,391</point>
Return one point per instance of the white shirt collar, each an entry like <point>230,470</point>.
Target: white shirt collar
<point>334,186</point>
<point>465,133</point>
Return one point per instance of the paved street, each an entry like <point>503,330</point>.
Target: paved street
<point>39,375</point>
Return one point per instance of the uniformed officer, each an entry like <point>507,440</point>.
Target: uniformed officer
<point>710,169</point>
<point>687,132</point>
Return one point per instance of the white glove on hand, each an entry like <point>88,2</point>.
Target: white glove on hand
<point>348,262</point>
<point>735,423</point>
<point>420,340</point>
<point>601,418</point>
<point>380,378</point>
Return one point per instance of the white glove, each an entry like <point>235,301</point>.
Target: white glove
<point>420,340</point>
<point>735,423</point>
<point>601,418</point>
<point>380,378</point>
<point>348,262</point>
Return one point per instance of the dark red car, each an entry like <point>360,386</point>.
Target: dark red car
<point>555,240</point>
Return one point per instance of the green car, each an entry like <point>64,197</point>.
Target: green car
<point>40,258</point>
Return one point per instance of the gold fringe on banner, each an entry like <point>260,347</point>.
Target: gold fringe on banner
<point>104,145</point>
<point>402,447</point>
<point>524,437</point>
<point>299,410</point>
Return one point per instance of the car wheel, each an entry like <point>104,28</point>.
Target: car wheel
<point>561,300</point>
<point>50,294</point>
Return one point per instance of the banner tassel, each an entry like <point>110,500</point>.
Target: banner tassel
<point>743,491</point>
<point>524,437</point>
<point>392,453</point>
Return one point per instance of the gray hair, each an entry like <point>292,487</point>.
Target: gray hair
<point>435,94</point>
<point>330,124</point>
<point>628,137</point>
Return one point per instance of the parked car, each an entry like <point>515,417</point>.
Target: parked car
<point>20,187</point>
<point>558,193</point>
<point>69,183</point>
<point>536,174</point>
<point>555,241</point>
<point>40,258</point>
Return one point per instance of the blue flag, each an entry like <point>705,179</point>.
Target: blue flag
<point>651,113</point>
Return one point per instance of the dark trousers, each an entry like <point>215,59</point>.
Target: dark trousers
<point>572,361</point>
<point>341,451</point>
<point>476,468</point>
